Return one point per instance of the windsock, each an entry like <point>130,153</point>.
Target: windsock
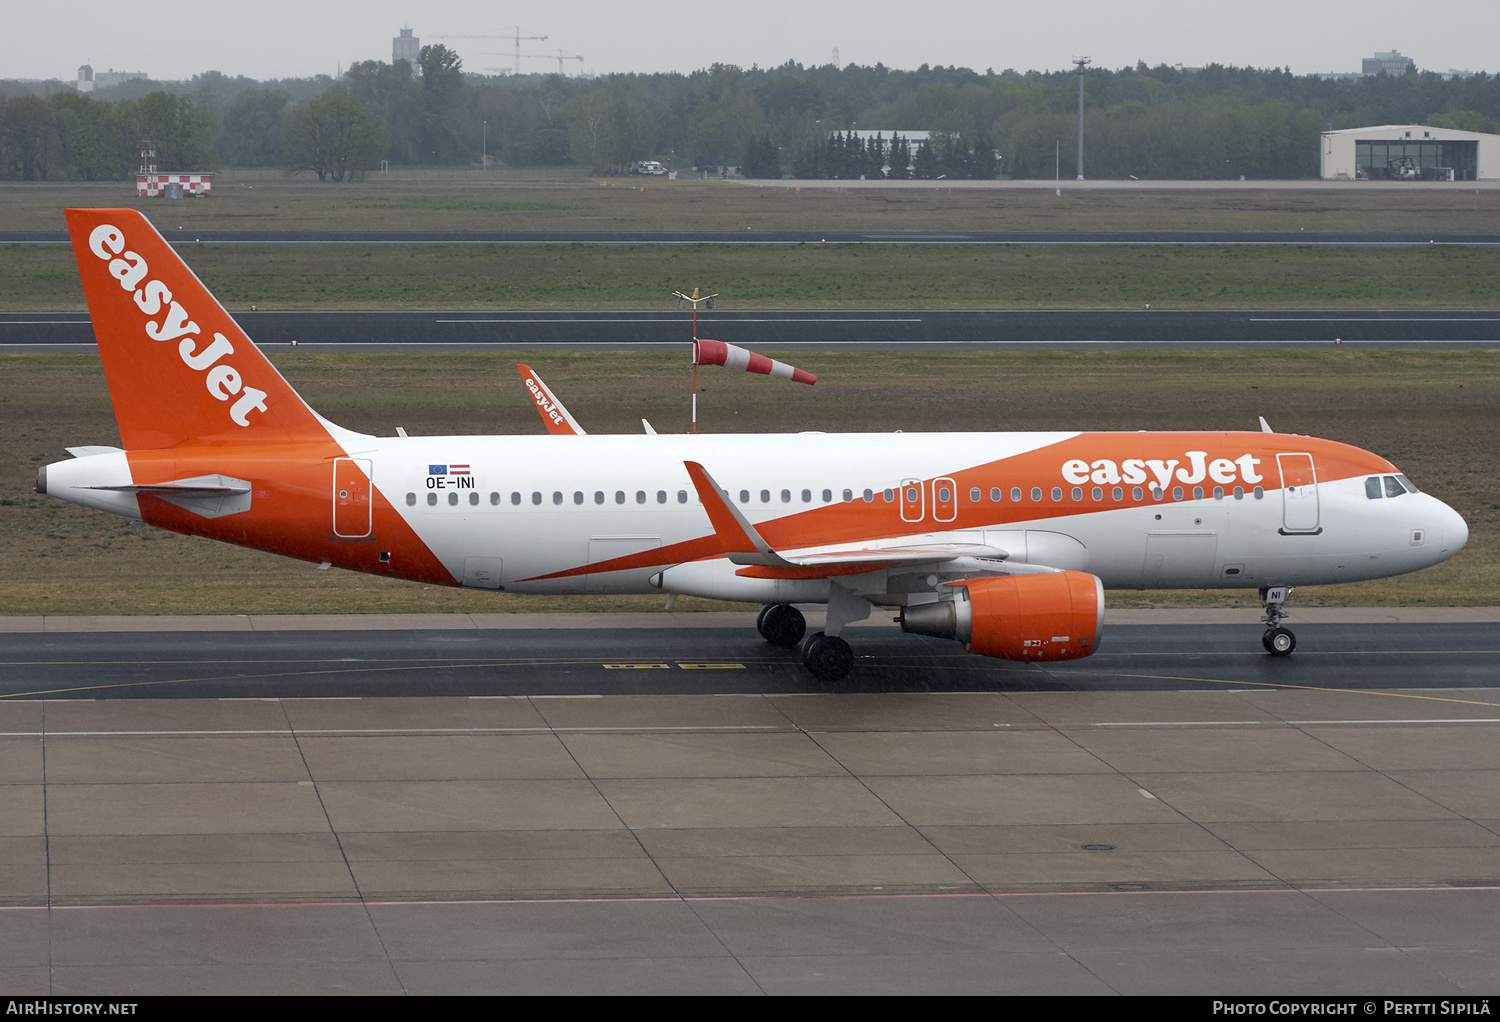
<point>717,353</point>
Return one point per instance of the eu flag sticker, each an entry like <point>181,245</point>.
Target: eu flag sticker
<point>437,470</point>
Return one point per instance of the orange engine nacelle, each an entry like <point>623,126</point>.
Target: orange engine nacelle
<point>1056,616</point>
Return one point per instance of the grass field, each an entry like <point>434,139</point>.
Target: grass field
<point>1435,414</point>
<point>468,201</point>
<point>799,277</point>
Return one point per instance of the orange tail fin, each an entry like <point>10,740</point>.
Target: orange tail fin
<point>180,370</point>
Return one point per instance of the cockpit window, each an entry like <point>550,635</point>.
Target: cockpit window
<point>1372,488</point>
<point>1408,484</point>
<point>1393,488</point>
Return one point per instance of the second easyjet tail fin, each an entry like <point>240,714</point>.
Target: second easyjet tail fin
<point>179,368</point>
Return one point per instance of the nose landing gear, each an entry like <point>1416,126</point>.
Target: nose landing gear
<point>1278,641</point>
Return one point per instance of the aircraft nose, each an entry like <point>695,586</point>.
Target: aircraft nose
<point>1455,531</point>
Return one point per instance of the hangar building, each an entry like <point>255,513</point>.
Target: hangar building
<point>1410,152</point>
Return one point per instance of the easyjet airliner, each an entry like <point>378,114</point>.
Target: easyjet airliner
<point>1002,541</point>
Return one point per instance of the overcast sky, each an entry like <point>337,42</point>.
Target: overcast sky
<point>283,39</point>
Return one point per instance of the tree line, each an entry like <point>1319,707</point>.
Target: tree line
<point>1161,122</point>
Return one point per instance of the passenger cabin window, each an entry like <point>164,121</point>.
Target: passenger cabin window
<point>744,496</point>
<point>453,499</point>
<point>889,495</point>
<point>473,498</point>
<point>661,496</point>
<point>619,496</point>
<point>1036,494</point>
<point>598,496</point>
<point>1098,493</point>
<point>536,497</point>
<point>1015,494</point>
<point>494,500</point>
<point>515,497</point>
<point>411,500</point>
<point>432,500</point>
<point>557,497</point>
<point>765,496</point>
<point>828,496</point>
<point>848,496</point>
<point>1078,493</point>
<point>1057,493</point>
<point>578,496</point>
<point>807,496</point>
<point>640,496</point>
<point>682,496</point>
<point>869,496</point>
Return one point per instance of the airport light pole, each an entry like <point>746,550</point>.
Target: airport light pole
<point>1082,64</point>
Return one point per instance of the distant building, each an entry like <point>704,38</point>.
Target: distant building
<point>1392,63</point>
<point>1409,152</point>
<point>89,79</point>
<point>406,47</point>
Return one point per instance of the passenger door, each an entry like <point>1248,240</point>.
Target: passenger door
<point>1299,494</point>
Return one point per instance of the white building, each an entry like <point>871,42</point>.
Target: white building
<point>89,79</point>
<point>406,47</point>
<point>1409,152</point>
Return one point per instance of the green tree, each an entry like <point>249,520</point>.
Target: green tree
<point>182,132</point>
<point>1465,120</point>
<point>249,135</point>
<point>331,135</point>
<point>29,142</point>
<point>442,82</point>
<point>726,118</point>
<point>392,93</point>
<point>90,139</point>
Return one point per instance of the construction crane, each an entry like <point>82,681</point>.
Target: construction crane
<point>560,59</point>
<point>534,56</point>
<point>516,38</point>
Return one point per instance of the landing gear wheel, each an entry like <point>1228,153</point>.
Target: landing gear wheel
<point>828,657</point>
<point>1279,642</point>
<point>781,624</point>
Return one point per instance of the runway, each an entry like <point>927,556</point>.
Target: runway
<point>1382,239</point>
<point>243,805</point>
<point>864,330</point>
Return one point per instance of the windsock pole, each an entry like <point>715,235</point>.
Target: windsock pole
<point>682,300</point>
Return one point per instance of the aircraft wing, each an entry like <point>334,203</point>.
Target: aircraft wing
<point>743,545</point>
<point>558,420</point>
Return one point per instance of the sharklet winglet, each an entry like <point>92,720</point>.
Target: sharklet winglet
<point>737,537</point>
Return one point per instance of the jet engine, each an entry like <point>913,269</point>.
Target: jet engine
<point>1055,616</point>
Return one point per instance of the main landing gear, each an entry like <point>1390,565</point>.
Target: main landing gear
<point>781,624</point>
<point>1278,641</point>
<point>824,654</point>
